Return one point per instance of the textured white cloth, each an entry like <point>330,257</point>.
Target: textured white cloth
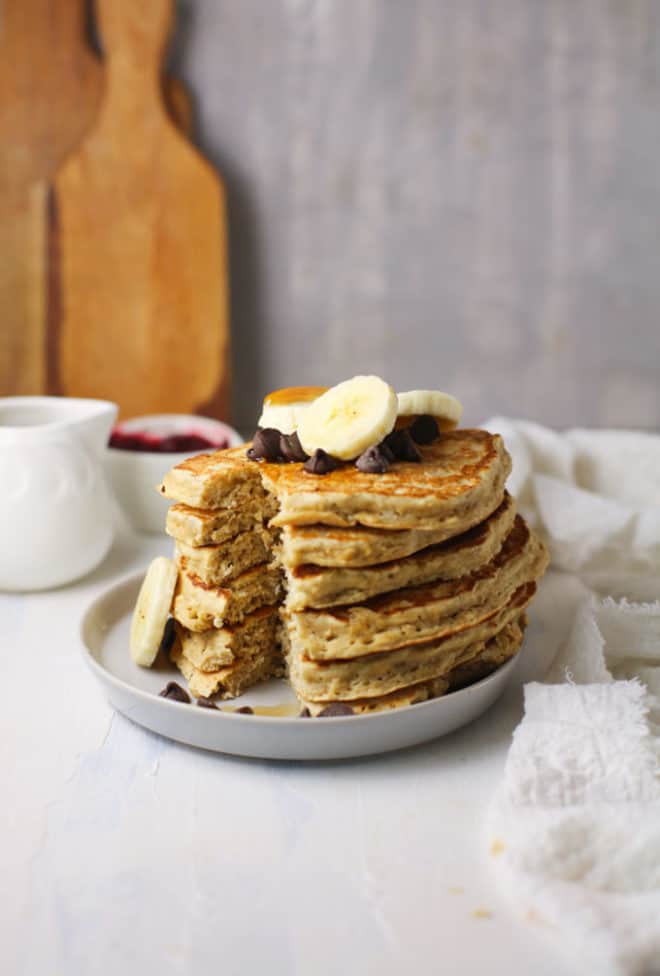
<point>575,825</point>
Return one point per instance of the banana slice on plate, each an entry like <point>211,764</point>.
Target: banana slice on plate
<point>282,409</point>
<point>445,408</point>
<point>349,417</point>
<point>152,610</point>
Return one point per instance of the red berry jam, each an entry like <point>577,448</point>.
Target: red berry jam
<point>171,444</point>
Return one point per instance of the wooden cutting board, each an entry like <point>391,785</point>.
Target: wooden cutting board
<point>139,241</point>
<point>50,91</point>
<point>51,85</point>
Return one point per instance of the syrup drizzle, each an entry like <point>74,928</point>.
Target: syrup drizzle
<point>294,394</point>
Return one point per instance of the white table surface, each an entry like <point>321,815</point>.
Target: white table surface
<point>122,852</point>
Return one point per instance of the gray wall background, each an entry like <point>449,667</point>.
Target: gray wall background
<point>458,194</point>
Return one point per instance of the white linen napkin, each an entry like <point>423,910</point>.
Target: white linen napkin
<point>575,825</point>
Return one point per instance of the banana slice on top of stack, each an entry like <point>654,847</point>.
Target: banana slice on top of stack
<point>285,409</point>
<point>349,418</point>
<point>445,409</point>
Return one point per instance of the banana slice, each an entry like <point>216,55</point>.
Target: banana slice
<point>283,409</point>
<point>349,417</point>
<point>446,409</point>
<point>152,610</point>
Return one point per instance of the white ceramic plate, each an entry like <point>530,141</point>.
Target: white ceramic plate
<point>134,692</point>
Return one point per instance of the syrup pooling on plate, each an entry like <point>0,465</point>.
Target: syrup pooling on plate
<point>286,710</point>
<point>174,692</point>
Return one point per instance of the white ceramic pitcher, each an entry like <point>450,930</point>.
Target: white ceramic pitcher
<point>56,515</point>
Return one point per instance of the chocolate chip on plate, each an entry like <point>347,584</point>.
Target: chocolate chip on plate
<point>402,446</point>
<point>291,448</point>
<point>320,463</point>
<point>305,713</point>
<point>424,429</point>
<point>245,710</point>
<point>207,703</point>
<point>174,692</point>
<point>168,637</point>
<point>265,445</point>
<point>335,709</point>
<point>374,460</point>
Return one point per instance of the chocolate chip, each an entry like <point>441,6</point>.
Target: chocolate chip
<point>335,709</point>
<point>374,460</point>
<point>245,710</point>
<point>320,463</point>
<point>386,451</point>
<point>402,446</point>
<point>168,637</point>
<point>174,692</point>
<point>291,448</point>
<point>305,713</point>
<point>207,703</point>
<point>424,429</point>
<point>265,445</point>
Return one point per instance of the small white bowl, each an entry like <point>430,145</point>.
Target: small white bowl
<point>135,475</point>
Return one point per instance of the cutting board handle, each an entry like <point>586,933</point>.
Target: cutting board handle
<point>141,240</point>
<point>134,34</point>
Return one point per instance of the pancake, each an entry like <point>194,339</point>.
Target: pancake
<point>487,658</point>
<point>459,471</point>
<point>412,695</point>
<point>380,674</point>
<point>419,614</point>
<point>219,563</point>
<point>217,648</point>
<point>199,527</point>
<point>222,480</point>
<point>200,606</point>
<point>314,586</point>
<point>324,545</point>
<point>232,680</point>
<point>494,654</point>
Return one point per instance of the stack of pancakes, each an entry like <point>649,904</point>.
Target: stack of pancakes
<point>228,591</point>
<point>392,587</point>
